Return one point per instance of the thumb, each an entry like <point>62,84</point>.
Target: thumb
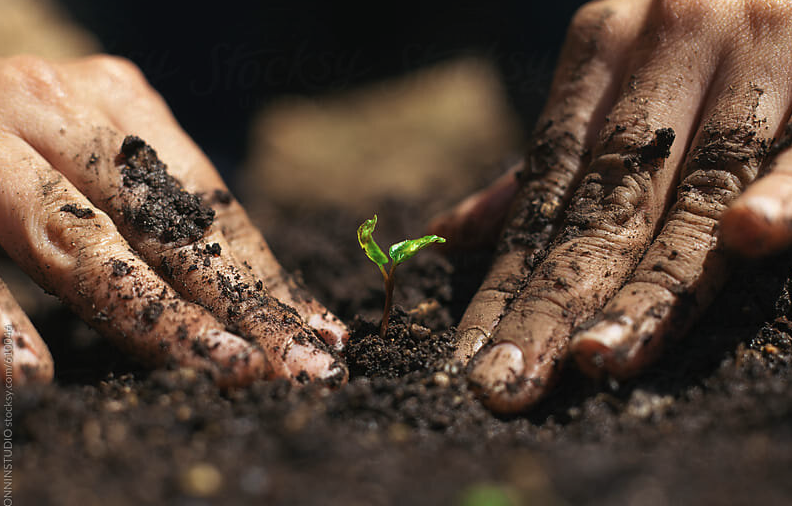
<point>476,221</point>
<point>759,222</point>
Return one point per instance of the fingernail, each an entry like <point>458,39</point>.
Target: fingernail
<point>470,341</point>
<point>309,363</point>
<point>593,348</point>
<point>498,367</point>
<point>224,343</point>
<point>767,208</point>
<point>245,362</point>
<point>609,334</point>
<point>331,330</point>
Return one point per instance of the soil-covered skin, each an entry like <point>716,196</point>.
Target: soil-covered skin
<point>710,424</point>
<point>166,211</point>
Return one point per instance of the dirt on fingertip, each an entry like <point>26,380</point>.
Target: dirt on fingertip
<point>79,212</point>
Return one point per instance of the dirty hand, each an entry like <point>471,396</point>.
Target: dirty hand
<point>159,258</point>
<point>661,115</point>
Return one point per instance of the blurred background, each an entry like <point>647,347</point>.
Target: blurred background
<point>310,97</point>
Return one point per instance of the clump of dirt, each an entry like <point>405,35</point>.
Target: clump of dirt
<point>408,347</point>
<point>120,268</point>
<point>159,205</point>
<point>80,212</point>
<point>659,148</point>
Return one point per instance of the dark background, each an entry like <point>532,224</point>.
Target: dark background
<point>217,63</point>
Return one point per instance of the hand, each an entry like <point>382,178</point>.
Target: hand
<point>660,114</point>
<point>160,259</point>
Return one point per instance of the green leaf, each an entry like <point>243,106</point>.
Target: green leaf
<point>487,495</point>
<point>368,243</point>
<point>402,251</point>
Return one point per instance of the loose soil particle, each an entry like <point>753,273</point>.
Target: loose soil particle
<point>121,268</point>
<point>77,211</point>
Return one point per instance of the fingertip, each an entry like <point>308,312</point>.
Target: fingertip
<point>446,224</point>
<point>591,355</point>
<point>332,331</point>
<point>306,362</point>
<point>439,224</point>
<point>31,364</point>
<point>754,226</point>
<point>497,375</point>
<point>24,353</point>
<point>239,362</point>
<point>608,348</point>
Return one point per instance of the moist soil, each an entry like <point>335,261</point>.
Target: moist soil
<point>709,424</point>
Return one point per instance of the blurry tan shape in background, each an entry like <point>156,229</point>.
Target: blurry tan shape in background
<point>42,28</point>
<point>433,132</point>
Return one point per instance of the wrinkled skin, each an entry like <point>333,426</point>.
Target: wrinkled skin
<point>637,187</point>
<point>72,216</point>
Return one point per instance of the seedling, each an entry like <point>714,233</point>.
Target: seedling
<point>398,253</point>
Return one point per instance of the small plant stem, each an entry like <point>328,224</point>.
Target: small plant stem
<point>389,278</point>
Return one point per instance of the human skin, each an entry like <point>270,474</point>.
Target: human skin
<point>636,191</point>
<point>215,299</point>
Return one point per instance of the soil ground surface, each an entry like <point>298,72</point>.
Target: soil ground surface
<point>710,424</point>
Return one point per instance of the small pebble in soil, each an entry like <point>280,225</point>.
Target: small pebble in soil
<point>201,480</point>
<point>441,379</point>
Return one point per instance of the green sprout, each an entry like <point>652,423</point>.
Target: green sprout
<point>398,253</point>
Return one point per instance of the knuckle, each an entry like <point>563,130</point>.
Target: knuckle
<point>707,193</point>
<point>682,13</point>
<point>80,242</point>
<point>621,136</point>
<point>592,16</point>
<point>121,77</point>
<point>728,163</point>
<point>768,16</point>
<point>684,16</point>
<point>553,150</point>
<point>728,152</point>
<point>610,197</point>
<point>599,23</point>
<point>117,67</point>
<point>32,75</point>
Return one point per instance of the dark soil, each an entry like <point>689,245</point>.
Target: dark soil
<point>77,211</point>
<point>159,205</point>
<point>710,424</point>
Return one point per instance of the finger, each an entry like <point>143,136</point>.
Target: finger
<point>132,106</point>
<point>609,225</point>
<point>73,249</point>
<point>476,221</point>
<point>584,86</point>
<point>170,228</point>
<point>25,355</point>
<point>686,265</point>
<point>760,221</point>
